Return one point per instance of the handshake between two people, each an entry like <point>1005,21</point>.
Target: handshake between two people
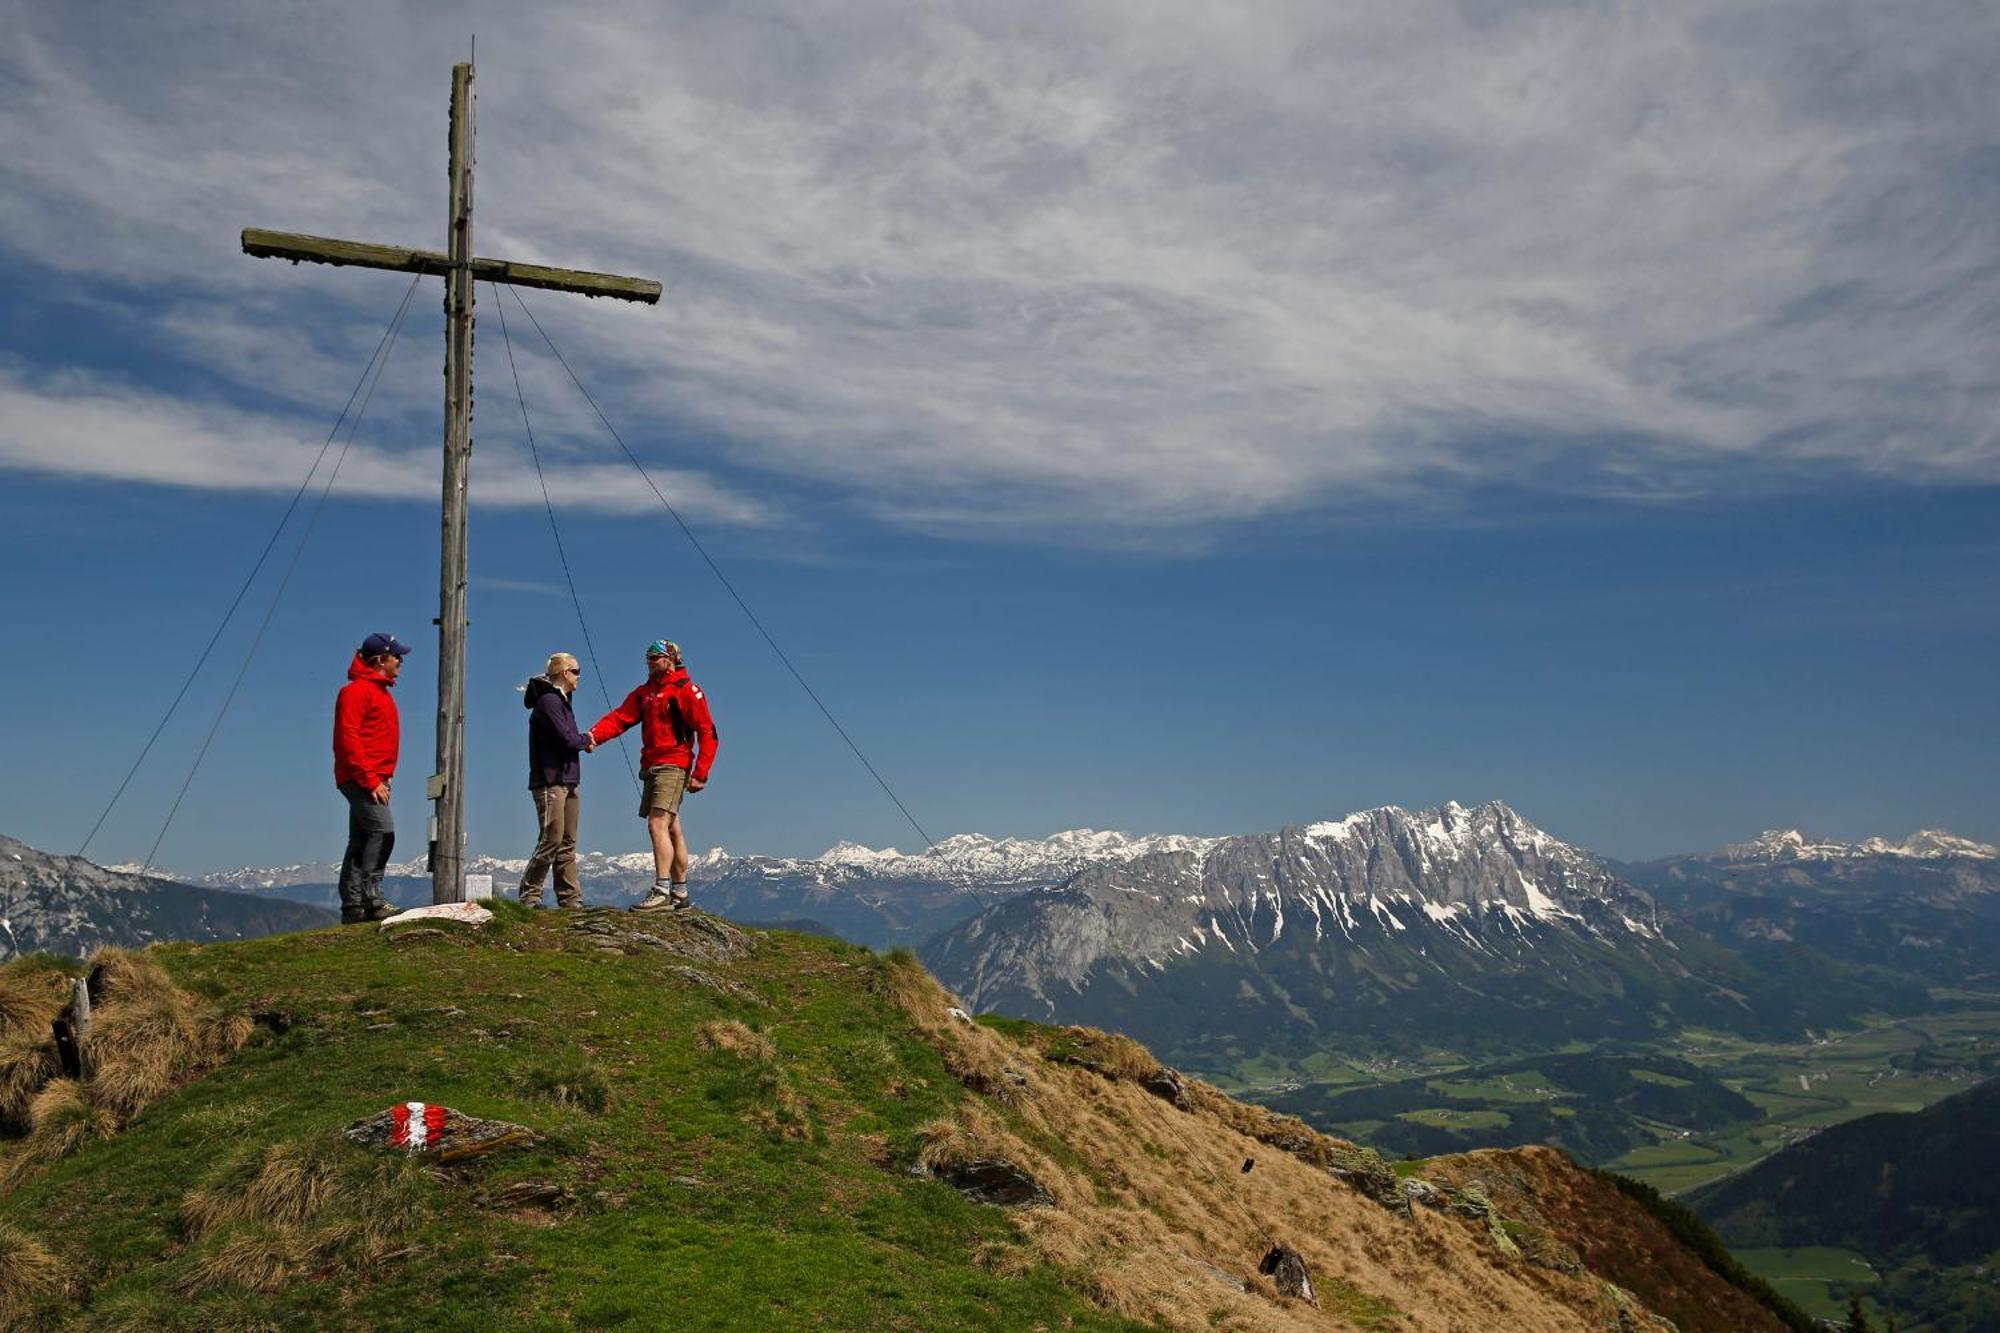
<point>591,742</point>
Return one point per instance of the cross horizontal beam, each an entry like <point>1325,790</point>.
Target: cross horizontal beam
<point>325,250</point>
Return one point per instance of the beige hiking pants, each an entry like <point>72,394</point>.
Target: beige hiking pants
<point>556,811</point>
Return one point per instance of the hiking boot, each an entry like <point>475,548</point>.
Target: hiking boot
<point>656,901</point>
<point>677,898</point>
<point>353,916</point>
<point>379,911</point>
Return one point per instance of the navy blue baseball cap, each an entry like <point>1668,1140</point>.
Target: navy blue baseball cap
<point>377,644</point>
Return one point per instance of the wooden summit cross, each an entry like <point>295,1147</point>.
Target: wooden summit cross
<point>459,268</point>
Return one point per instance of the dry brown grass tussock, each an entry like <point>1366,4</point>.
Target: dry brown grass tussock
<point>268,1216</point>
<point>737,1039</point>
<point>29,999</point>
<point>123,973</point>
<point>27,1063</point>
<point>28,1272</point>
<point>146,1038</point>
<point>1111,1054</point>
<point>779,1108</point>
<point>145,1042</point>
<point>63,1116</point>
<point>782,1111</point>
<point>1157,1220</point>
<point>148,1035</point>
<point>979,1134</point>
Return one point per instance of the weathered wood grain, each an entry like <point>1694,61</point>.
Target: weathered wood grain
<point>300,248</point>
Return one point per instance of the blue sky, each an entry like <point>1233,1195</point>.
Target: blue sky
<point>1168,426</point>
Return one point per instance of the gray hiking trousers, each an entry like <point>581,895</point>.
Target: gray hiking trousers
<point>371,836</point>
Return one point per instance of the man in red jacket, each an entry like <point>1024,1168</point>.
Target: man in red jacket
<point>678,749</point>
<point>366,736</point>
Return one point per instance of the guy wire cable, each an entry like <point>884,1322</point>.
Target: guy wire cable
<point>381,346</point>
<point>549,505</point>
<point>715,569</point>
<point>278,597</point>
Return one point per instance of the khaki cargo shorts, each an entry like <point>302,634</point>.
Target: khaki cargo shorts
<point>664,787</point>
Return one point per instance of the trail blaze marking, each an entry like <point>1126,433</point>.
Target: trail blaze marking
<point>416,1124</point>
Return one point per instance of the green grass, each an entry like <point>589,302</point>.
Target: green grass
<point>1444,1117</point>
<point>1530,1086</point>
<point>1667,1154</point>
<point>1663,1080</point>
<point>1341,1297</point>
<point>713,1191</point>
<point>1810,1276</point>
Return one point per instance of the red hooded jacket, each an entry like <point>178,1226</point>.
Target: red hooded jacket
<point>674,714</point>
<point>366,730</point>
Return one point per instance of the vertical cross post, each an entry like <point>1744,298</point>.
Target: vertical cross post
<point>459,267</point>
<point>447,784</point>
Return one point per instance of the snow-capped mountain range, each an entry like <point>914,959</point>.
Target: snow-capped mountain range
<point>1477,877</point>
<point>1777,845</point>
<point>996,864</point>
<point>1465,924</point>
<point>964,859</point>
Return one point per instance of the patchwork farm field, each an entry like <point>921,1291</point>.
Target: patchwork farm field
<point>1904,1065</point>
<point>1807,1276</point>
<point>1675,1115</point>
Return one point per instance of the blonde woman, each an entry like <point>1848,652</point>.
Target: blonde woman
<point>553,774</point>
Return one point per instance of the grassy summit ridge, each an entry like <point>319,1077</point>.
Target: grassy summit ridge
<point>738,1130</point>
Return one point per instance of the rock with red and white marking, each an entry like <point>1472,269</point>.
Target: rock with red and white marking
<point>437,1131</point>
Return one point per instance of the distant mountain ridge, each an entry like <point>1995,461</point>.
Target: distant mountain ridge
<point>1918,903</point>
<point>1782,845</point>
<point>1927,906</point>
<point>1460,870</point>
<point>1463,926</point>
<point>965,858</point>
<point>67,905</point>
<point>879,898</point>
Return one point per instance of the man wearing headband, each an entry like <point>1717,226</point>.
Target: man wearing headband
<point>677,750</point>
<point>367,733</point>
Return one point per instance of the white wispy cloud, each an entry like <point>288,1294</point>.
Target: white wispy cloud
<point>83,428</point>
<point>1084,267</point>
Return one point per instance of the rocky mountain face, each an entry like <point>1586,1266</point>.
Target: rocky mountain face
<point>1928,906</point>
<point>1469,927</point>
<point>67,905</point>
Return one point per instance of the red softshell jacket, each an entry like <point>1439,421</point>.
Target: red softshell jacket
<point>673,715</point>
<point>366,730</point>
